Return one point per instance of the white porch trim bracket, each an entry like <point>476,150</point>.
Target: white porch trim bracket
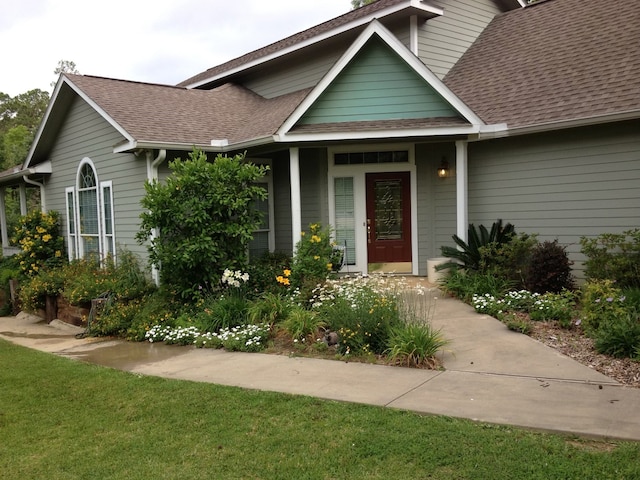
<point>462,190</point>
<point>296,199</point>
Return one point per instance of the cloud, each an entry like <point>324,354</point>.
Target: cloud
<point>161,42</point>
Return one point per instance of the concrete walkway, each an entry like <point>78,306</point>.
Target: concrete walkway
<point>491,374</point>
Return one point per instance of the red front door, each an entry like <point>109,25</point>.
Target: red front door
<point>388,217</point>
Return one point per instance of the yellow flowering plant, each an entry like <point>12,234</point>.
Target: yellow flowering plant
<point>42,246</point>
<point>314,260</point>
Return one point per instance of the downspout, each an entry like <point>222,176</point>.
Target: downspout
<point>152,175</point>
<point>43,203</point>
<point>153,164</point>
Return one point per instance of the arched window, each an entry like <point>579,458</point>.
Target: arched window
<point>90,228</point>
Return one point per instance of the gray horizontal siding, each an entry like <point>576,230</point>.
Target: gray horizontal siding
<point>436,202</point>
<point>313,187</point>
<point>566,185</point>
<point>443,40</point>
<point>84,133</point>
<point>296,74</point>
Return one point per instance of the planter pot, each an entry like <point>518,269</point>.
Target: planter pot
<point>434,276</point>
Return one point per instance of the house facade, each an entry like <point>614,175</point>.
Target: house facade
<point>398,124</point>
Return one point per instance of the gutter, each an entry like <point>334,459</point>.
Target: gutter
<point>561,125</point>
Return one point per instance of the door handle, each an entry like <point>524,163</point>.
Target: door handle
<point>368,230</point>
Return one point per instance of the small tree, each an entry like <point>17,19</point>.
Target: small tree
<point>204,216</point>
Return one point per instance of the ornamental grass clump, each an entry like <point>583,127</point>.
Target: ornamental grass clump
<point>415,345</point>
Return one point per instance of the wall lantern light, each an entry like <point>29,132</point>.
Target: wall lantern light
<point>443,169</point>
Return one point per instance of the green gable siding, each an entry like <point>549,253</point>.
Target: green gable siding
<point>377,85</point>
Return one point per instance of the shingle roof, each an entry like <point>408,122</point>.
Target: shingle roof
<point>553,61</point>
<point>298,38</point>
<point>174,115</point>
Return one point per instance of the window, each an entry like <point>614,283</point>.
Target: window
<point>359,158</point>
<point>264,237</point>
<point>345,228</point>
<point>90,222</point>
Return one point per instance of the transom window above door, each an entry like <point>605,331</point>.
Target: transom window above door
<point>361,158</point>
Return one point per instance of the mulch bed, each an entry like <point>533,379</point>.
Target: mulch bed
<point>575,344</point>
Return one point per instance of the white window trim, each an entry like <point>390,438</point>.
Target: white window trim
<point>74,241</point>
<point>72,238</point>
<point>103,185</point>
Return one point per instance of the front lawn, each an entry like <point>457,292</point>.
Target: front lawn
<point>62,419</point>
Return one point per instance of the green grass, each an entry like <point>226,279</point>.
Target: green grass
<point>62,419</point>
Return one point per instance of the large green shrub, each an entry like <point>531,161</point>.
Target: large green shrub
<point>508,259</point>
<point>613,256</point>
<point>601,303</point>
<point>205,217</point>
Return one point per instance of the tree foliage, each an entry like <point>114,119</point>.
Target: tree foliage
<point>361,3</point>
<point>64,66</point>
<point>205,217</point>
<point>20,117</point>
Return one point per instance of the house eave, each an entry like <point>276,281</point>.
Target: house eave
<point>471,131</point>
<point>17,174</point>
<point>416,5</point>
<point>561,125</point>
<point>220,145</point>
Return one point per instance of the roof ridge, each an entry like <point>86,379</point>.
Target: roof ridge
<point>297,37</point>
<point>71,76</point>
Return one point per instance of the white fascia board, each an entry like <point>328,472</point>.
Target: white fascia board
<point>18,173</point>
<point>324,36</point>
<point>376,28</point>
<point>45,120</point>
<point>377,134</point>
<point>222,146</point>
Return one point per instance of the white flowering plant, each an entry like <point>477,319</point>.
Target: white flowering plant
<point>246,338</point>
<point>550,306</point>
<point>364,309</point>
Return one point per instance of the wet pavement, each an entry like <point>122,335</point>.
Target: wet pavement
<point>491,374</point>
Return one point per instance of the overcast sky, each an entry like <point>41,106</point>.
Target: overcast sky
<point>159,41</point>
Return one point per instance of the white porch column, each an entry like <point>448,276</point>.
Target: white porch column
<point>23,199</point>
<point>3,220</point>
<point>462,190</point>
<point>296,200</point>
